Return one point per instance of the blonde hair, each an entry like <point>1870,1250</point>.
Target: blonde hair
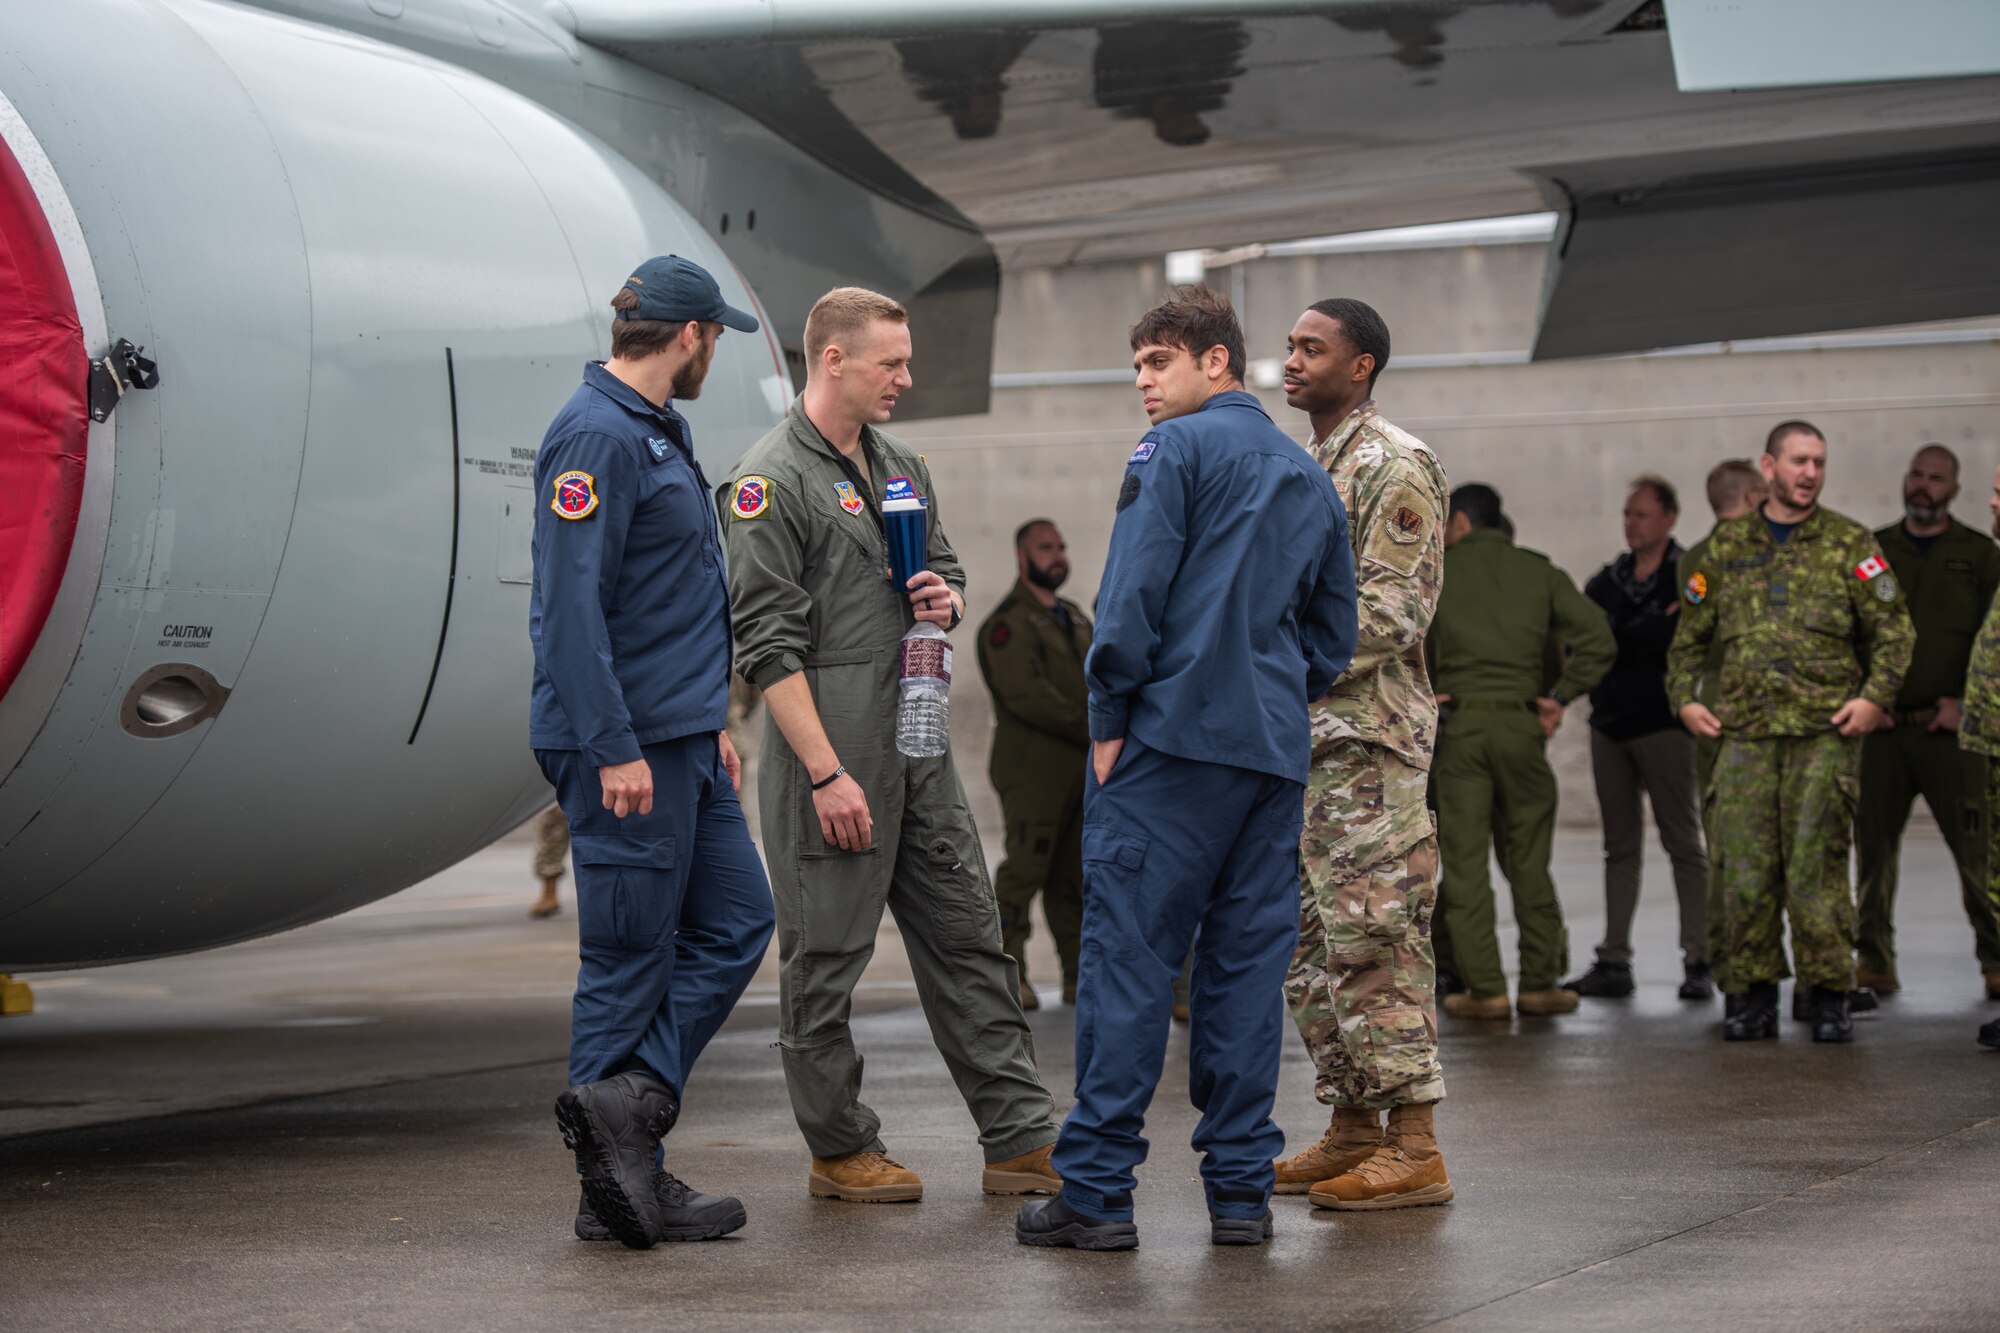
<point>844,312</point>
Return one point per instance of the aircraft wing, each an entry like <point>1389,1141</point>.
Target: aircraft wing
<point>1108,129</point>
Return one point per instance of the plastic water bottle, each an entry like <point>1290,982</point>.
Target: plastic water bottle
<point>924,714</point>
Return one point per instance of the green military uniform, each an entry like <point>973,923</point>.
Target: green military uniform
<point>1707,691</point>
<point>1032,659</point>
<point>808,578</point>
<point>1363,983</point>
<point>1949,586</point>
<point>1805,625</point>
<point>1979,734</point>
<point>1500,604</point>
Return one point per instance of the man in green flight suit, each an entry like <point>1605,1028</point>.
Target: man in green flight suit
<point>1815,641</point>
<point>1486,649</point>
<point>1949,573</point>
<point>1979,733</point>
<point>1031,652</point>
<point>850,824</point>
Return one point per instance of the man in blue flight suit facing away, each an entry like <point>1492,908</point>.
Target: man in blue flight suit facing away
<point>1227,604</point>
<point>630,621</point>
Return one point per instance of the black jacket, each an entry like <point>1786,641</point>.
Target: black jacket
<point>1631,700</point>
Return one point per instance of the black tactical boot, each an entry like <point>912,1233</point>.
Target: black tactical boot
<point>614,1127</point>
<point>1448,984</point>
<point>685,1213</point>
<point>1050,1222</point>
<point>1239,1230</point>
<point>1697,982</point>
<point>1756,1016</point>
<point>1830,1017</point>
<point>1859,1001</point>
<point>1862,1000</point>
<point>1989,1035</point>
<point>1732,1004</point>
<point>1604,981</point>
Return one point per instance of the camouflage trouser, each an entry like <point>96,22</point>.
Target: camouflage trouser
<point>1705,751</point>
<point>551,843</point>
<point>1783,813</point>
<point>1362,984</point>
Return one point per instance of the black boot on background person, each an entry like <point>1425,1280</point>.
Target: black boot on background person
<point>1697,982</point>
<point>1831,1021</point>
<point>1051,1222</point>
<point>1604,981</point>
<point>1989,1035</point>
<point>685,1213</point>
<point>1756,1016</point>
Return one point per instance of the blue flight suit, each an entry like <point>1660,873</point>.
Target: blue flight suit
<point>629,617</point>
<point>1227,605</point>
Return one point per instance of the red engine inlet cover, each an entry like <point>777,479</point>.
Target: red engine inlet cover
<point>44,417</point>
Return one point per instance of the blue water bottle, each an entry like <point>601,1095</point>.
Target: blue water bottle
<point>924,660</point>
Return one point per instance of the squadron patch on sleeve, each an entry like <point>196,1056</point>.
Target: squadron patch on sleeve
<point>1697,588</point>
<point>751,497</point>
<point>575,495</point>
<point>1396,539</point>
<point>998,638</point>
<point>1128,492</point>
<point>1884,586</point>
<point>1406,524</point>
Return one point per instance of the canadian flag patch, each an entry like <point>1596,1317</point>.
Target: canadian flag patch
<point>1870,567</point>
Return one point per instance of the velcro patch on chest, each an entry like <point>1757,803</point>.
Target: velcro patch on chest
<point>575,495</point>
<point>750,498</point>
<point>850,499</point>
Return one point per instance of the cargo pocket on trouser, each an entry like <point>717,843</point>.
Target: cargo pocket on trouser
<point>1390,897</point>
<point>1398,1047</point>
<point>962,906</point>
<point>625,891</point>
<point>1113,866</point>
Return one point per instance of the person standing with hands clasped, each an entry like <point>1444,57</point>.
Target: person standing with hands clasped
<point>852,824</point>
<point>629,617</point>
<point>1815,641</point>
<point>1226,605</point>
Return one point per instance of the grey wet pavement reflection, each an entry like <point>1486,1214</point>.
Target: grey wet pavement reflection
<point>348,1126</point>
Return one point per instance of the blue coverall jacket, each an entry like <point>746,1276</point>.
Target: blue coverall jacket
<point>1199,650</point>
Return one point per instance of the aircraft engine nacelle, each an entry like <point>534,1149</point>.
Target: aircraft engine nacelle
<point>263,642</point>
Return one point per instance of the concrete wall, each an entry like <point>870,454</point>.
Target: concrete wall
<point>1559,440</point>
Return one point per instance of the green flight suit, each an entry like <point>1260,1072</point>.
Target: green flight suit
<point>1805,626</point>
<point>1707,691</point>
<point>1488,645</point>
<point>1033,664</point>
<point>809,583</point>
<point>1949,587</point>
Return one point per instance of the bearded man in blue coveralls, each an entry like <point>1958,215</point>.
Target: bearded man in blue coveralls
<point>629,618</point>
<point>1227,604</point>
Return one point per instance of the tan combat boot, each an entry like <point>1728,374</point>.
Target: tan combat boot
<point>1030,1173</point>
<point>1406,1172</point>
<point>1992,985</point>
<point>1029,1000</point>
<point>1467,1005</point>
<point>863,1177</point>
<point>1885,983</point>
<point>1351,1138</point>
<point>1541,1003</point>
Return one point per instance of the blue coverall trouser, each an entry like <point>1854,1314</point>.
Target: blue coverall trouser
<point>673,911</point>
<point>1172,847</point>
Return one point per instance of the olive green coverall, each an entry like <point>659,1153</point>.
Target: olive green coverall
<point>809,583</point>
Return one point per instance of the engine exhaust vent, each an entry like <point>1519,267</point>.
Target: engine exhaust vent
<point>169,699</point>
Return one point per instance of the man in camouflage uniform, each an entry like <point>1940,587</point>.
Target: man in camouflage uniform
<point>551,859</point>
<point>1735,488</point>
<point>1362,985</point>
<point>1031,652</point>
<point>1979,732</point>
<point>1815,641</point>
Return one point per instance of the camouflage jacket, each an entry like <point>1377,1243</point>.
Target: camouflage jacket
<point>1980,731</point>
<point>1804,627</point>
<point>1396,496</point>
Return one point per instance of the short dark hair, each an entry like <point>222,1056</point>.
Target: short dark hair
<point>1730,481</point>
<point>635,339</point>
<point>1361,326</point>
<point>1662,489</point>
<point>1784,428</point>
<point>1479,503</point>
<point>1935,448</point>
<point>1021,533</point>
<point>1193,319</point>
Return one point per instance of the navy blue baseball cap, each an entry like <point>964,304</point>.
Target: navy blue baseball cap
<point>676,290</point>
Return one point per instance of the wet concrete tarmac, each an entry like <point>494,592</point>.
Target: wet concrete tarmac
<point>348,1127</point>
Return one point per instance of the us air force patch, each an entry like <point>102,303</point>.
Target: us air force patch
<point>751,497</point>
<point>575,495</point>
<point>1697,588</point>
<point>1143,452</point>
<point>1128,492</point>
<point>1406,524</point>
<point>850,499</point>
